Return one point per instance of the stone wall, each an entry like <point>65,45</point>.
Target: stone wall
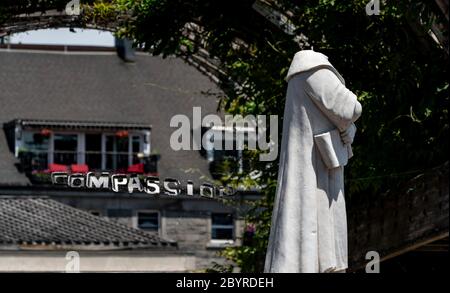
<point>185,220</point>
<point>192,231</point>
<point>402,219</point>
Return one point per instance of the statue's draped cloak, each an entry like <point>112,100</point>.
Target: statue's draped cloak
<point>309,225</point>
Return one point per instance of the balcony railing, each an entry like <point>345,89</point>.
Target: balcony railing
<point>36,162</point>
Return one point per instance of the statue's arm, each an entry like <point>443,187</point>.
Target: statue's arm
<point>337,102</point>
<point>348,134</point>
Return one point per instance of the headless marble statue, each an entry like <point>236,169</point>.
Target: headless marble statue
<point>309,224</point>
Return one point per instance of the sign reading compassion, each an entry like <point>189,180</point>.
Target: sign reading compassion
<point>133,183</point>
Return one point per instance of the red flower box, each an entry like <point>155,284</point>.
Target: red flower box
<point>136,168</point>
<point>81,168</point>
<point>57,168</point>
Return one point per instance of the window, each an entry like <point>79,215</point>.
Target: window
<point>223,161</point>
<point>93,150</point>
<point>65,149</point>
<point>148,221</point>
<point>35,141</point>
<point>222,226</point>
<point>116,152</point>
<point>34,151</point>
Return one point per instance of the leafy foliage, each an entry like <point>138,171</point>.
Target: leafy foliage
<point>389,61</point>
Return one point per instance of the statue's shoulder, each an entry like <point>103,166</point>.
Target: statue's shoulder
<point>306,60</point>
<point>309,60</point>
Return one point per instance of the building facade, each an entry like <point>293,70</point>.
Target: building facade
<point>80,111</point>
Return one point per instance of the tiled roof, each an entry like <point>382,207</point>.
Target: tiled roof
<point>29,222</point>
<point>102,88</point>
<point>82,124</point>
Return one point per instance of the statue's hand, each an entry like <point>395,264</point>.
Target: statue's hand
<point>348,134</point>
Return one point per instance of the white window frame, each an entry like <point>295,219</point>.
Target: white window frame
<point>144,147</point>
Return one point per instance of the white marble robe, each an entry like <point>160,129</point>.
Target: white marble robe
<point>309,225</point>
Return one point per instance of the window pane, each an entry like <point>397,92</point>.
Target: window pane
<point>136,148</point>
<point>93,142</point>
<point>93,151</point>
<point>35,141</point>
<point>222,233</point>
<point>34,152</point>
<point>148,221</point>
<point>110,158</point>
<point>222,227</point>
<point>122,153</point>
<point>122,144</point>
<point>136,144</point>
<point>117,153</point>
<point>222,219</point>
<point>65,149</point>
